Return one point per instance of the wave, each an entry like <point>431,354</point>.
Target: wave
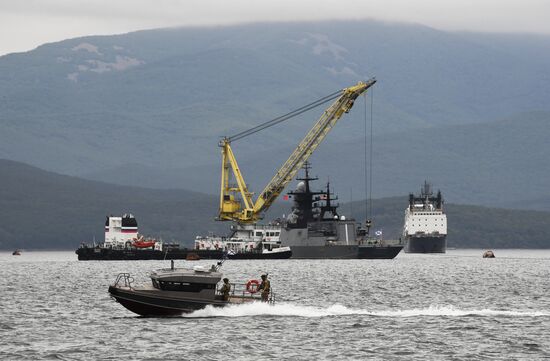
<point>292,310</point>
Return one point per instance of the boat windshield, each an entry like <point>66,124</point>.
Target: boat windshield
<point>182,286</point>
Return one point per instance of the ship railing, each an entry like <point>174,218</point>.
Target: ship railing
<point>240,290</point>
<point>124,280</point>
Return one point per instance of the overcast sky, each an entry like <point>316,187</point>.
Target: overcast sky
<point>25,24</point>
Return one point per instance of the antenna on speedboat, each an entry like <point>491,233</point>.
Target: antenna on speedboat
<point>221,261</point>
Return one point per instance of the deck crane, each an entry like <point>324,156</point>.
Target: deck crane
<point>247,211</point>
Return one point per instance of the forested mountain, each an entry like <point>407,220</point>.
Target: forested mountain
<point>468,112</point>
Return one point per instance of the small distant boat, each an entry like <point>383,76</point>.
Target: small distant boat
<point>17,252</point>
<point>488,254</point>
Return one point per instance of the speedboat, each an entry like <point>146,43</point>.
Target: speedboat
<point>175,291</point>
<point>17,252</point>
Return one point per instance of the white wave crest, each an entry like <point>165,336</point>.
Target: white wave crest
<point>452,311</point>
<point>292,310</point>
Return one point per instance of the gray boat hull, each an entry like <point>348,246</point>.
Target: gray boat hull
<point>306,244</point>
<point>156,304</point>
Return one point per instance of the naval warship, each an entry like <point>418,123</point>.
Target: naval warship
<point>315,229</point>
<point>425,229</point>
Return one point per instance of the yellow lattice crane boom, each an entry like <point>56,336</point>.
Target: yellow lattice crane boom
<point>246,210</point>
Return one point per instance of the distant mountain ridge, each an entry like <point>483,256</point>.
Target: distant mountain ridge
<point>44,210</point>
<point>161,99</point>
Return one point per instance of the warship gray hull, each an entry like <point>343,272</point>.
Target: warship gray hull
<point>379,252</point>
<point>336,239</point>
<point>345,252</point>
<point>426,244</point>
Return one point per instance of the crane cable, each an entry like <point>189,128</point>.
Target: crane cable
<point>286,116</point>
<point>368,163</point>
<point>371,151</point>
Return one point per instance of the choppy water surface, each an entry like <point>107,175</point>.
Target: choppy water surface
<point>453,306</point>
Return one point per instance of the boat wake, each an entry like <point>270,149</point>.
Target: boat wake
<point>292,310</point>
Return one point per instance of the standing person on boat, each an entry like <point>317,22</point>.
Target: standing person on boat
<point>225,289</point>
<point>265,287</point>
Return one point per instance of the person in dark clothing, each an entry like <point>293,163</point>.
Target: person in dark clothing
<point>265,288</point>
<point>225,289</point>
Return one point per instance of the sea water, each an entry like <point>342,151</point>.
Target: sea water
<point>414,307</point>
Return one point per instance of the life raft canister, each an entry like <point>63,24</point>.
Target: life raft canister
<point>252,286</point>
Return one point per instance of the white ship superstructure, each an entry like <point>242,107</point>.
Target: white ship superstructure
<point>120,230</point>
<point>425,228</point>
<point>244,239</point>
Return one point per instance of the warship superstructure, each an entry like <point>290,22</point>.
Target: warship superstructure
<point>425,229</point>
